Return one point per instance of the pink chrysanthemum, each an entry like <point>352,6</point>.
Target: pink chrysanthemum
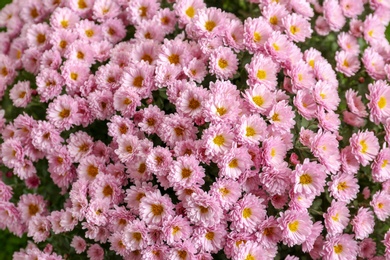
<point>262,70</point>
<point>343,187</point>
<point>365,146</point>
<point>297,27</point>
<point>296,226</point>
<point>186,172</point>
<point>256,33</point>
<point>379,101</point>
<point>340,247</point>
<point>381,204</point>
<point>336,218</point>
<point>223,63</point>
<point>363,223</point>
<point>309,178</point>
<point>155,208</point>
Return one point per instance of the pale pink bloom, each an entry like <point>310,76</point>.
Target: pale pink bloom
<point>95,252</point>
<point>336,218</point>
<point>223,63</point>
<point>64,18</point>
<point>148,30</point>
<point>349,163</point>
<point>334,15</point>
<point>380,166</point>
<point>252,249</point>
<point>275,180</point>
<point>105,9</point>
<point>202,210</point>
<point>89,31</point>
<point>80,51</point>
<point>324,72</point>
<point>297,27</point>
<point>74,74</point>
<point>268,233</point>
<point>356,27</point>
<point>324,146</point>
<point>309,178</point>
<point>381,204</point>
<point>139,78</point>
<point>113,30</point>
<point>355,104</point>
<point>38,36</point>
<point>82,9</point>
<point>20,94</point>
<point>196,70</point>
<point>281,117</point>
<point>274,151</point>
<point>209,23</point>
<point>61,39</point>
<point>274,14</point>
<point>176,128</point>
<point>234,35</point>
<point>79,145</point>
<point>152,117</point>
<point>347,63</point>
<point>210,239</point>
<point>106,187</point>
<point>367,248</point>
<point>373,29</point>
<point>31,60</point>
<point>305,104</point>
<point>108,77</point>
<point>90,167</point>
<point>352,119</point>
<point>343,187</point>
<point>352,9</point>
<point>322,26</point>
<point>30,205</point>
<point>308,245</point>
<point>38,228</point>
<point>79,244</point>
<point>140,11</point>
<point>165,19</point>
<point>256,33</point>
<point>279,47</point>
<point>49,84</point>
<point>260,99</point>
<point>12,152</point>
<point>126,101</point>
<point>51,59</point>
<point>101,104</point>
<point>262,70</point>
<point>379,101</point>
<point>247,213</point>
<point>328,120</point>
<point>311,56</point>
<point>186,172</point>
<point>348,43</point>
<point>296,226</point>
<point>374,63</point>
<point>365,146</point>
<point>218,139</point>
<point>190,101</point>
<point>302,76</point>
<point>226,191</point>
<point>175,229</point>
<point>186,10</point>
<point>234,163</point>
<point>252,129</point>
<point>155,208</point>
<point>185,248</point>
<point>303,7</point>
<point>342,246</point>
<point>363,223</point>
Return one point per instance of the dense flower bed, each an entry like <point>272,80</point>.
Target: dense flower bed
<point>148,129</point>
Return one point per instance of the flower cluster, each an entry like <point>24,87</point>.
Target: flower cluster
<point>181,131</point>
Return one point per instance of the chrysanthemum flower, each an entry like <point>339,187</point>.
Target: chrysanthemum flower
<point>135,236</point>
<point>176,229</point>
<point>343,187</point>
<point>336,217</point>
<point>210,239</point>
<point>223,63</point>
<point>20,94</point>
<point>381,204</point>
<point>296,226</point>
<point>201,209</point>
<point>260,99</point>
<point>365,146</point>
<point>274,14</point>
<point>209,22</point>
<point>186,10</point>
<point>155,208</point>
<point>342,246</point>
<point>309,178</point>
<point>218,139</point>
<point>363,223</point>
<point>334,15</point>
<point>30,205</point>
<point>256,33</point>
<point>297,27</point>
<point>355,104</point>
<point>374,63</point>
<point>262,70</point>
<point>281,116</point>
<point>367,248</point>
<point>324,146</point>
<point>252,129</point>
<point>186,172</point>
<point>379,101</point>
<point>380,167</point>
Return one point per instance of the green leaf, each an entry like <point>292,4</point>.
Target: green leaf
<point>387,33</point>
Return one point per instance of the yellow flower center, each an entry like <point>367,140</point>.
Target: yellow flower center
<point>382,102</point>
<point>157,209</point>
<point>258,100</point>
<point>305,179</point>
<point>138,81</point>
<point>193,104</point>
<point>256,37</point>
<point>190,12</point>
<point>246,213</point>
<point>338,249</point>
<point>222,63</point>
<point>261,74</point>
<point>219,140</point>
<point>233,163</point>
<point>221,111</point>
<point>364,146</point>
<point>293,226</point>
<point>107,191</point>
<point>209,235</point>
<point>89,33</point>
<point>250,131</point>
<point>273,20</point>
<point>174,59</point>
<point>342,186</point>
<point>210,25</point>
<point>294,29</point>
<point>185,173</point>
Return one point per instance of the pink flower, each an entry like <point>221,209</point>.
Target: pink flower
<point>381,204</point>
<point>79,244</point>
<point>210,239</point>
<point>334,15</point>
<point>247,213</point>
<point>342,246</point>
<point>186,172</point>
<point>223,63</point>
<point>274,151</point>
<point>367,248</point>
<point>363,223</point>
<point>201,209</point>
<point>309,178</point>
<point>95,252</point>
<point>260,99</point>
<point>351,9</point>
<point>374,63</point>
<point>274,14</point>
<point>262,70</point>
<point>365,146</point>
<point>20,94</point>
<point>176,229</point>
<point>155,208</point>
<point>347,63</point>
<point>281,117</point>
<point>209,22</point>
<point>324,146</point>
<point>295,225</point>
<point>297,27</point>
<point>348,43</point>
<point>256,33</point>
<point>64,18</point>
<point>344,187</point>
<point>39,228</point>
<point>380,166</point>
<point>379,101</point>
<point>336,218</point>
<point>355,104</point>
<point>218,139</point>
<point>326,95</point>
<point>349,163</point>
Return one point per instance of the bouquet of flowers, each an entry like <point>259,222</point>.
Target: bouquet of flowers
<point>195,129</point>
